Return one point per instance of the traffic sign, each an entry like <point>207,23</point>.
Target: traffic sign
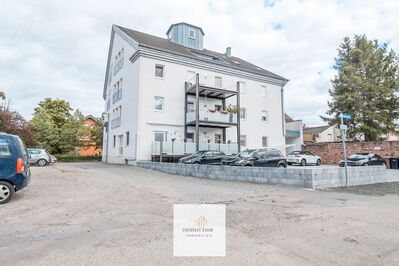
<point>346,116</point>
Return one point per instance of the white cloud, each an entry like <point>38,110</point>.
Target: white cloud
<point>59,48</point>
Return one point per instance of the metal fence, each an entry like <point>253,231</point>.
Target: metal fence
<point>182,148</point>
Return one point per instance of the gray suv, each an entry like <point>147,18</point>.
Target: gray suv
<point>41,157</point>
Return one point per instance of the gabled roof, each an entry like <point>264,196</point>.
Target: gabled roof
<point>191,25</point>
<point>315,130</point>
<point>150,41</point>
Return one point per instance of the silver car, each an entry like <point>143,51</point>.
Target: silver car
<point>41,157</point>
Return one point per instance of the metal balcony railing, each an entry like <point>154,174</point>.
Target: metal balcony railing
<point>182,148</point>
<point>216,116</point>
<point>117,96</point>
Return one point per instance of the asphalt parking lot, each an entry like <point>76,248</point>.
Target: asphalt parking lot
<point>97,214</point>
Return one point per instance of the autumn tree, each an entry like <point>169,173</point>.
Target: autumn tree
<point>366,87</point>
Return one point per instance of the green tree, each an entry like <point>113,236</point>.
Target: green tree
<point>366,87</point>
<point>56,128</point>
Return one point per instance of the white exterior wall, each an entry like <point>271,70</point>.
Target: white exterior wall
<point>294,143</point>
<point>140,86</point>
<point>129,102</point>
<point>328,135</point>
<point>171,87</point>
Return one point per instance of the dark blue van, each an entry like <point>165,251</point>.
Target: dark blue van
<point>14,166</point>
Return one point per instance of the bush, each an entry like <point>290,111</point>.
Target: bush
<point>77,158</point>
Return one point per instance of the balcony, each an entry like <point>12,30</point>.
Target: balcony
<point>208,117</point>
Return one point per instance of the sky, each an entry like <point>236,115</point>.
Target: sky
<point>59,48</point>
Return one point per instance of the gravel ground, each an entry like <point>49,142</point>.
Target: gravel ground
<point>381,189</point>
<point>97,214</point>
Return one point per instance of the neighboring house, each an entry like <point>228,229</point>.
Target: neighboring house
<point>172,90</point>
<point>90,147</point>
<point>293,134</point>
<point>321,134</point>
<point>394,136</point>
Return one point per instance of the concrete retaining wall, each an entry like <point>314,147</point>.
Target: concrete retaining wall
<point>310,177</point>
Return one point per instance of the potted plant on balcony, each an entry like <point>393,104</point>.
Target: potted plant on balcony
<point>212,110</point>
<point>232,109</point>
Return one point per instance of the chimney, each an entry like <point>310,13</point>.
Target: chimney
<point>228,51</point>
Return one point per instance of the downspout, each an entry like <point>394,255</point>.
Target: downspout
<point>282,107</point>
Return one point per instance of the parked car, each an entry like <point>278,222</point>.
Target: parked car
<point>203,157</point>
<point>303,158</point>
<point>263,158</point>
<point>363,159</point>
<point>53,159</point>
<point>38,156</point>
<point>14,166</point>
<point>229,159</point>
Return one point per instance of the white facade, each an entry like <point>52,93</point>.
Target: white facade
<point>139,121</point>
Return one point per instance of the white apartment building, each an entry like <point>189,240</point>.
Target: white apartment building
<point>173,91</point>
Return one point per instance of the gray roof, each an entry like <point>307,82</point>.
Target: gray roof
<point>315,130</point>
<point>164,44</point>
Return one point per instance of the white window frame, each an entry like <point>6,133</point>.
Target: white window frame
<point>164,133</point>
<point>221,82</point>
<point>189,34</point>
<point>243,111</point>
<point>120,145</point>
<point>263,93</point>
<point>264,113</point>
<point>243,87</point>
<point>163,71</point>
<point>155,104</point>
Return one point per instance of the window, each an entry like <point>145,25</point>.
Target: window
<point>243,140</point>
<point>263,91</point>
<point>218,138</point>
<point>159,71</point>
<point>218,82</point>
<point>191,33</point>
<point>261,154</point>
<point>265,118</point>
<point>5,148</point>
<point>114,141</point>
<point>127,138</point>
<point>120,148</point>
<point>190,136</point>
<point>264,141</point>
<point>243,87</point>
<point>159,103</point>
<point>243,113</point>
<point>160,136</point>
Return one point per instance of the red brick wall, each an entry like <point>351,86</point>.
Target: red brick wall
<point>331,152</point>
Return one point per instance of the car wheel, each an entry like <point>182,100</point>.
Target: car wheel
<point>42,162</point>
<point>365,164</point>
<point>6,192</point>
<point>289,163</point>
<point>318,162</point>
<point>303,162</point>
<point>282,166</point>
<point>249,165</point>
<point>196,163</point>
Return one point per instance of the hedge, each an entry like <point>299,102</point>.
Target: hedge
<point>77,158</point>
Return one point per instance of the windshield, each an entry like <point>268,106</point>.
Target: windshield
<point>357,157</point>
<point>246,153</point>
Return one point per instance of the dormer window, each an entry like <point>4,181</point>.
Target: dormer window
<point>191,34</point>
